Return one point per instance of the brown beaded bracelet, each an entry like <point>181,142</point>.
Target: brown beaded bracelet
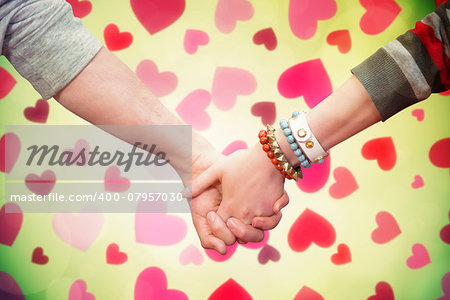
<point>271,147</point>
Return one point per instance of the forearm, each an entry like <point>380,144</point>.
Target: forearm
<point>107,92</point>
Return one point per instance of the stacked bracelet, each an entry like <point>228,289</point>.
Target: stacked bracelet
<point>293,144</point>
<point>270,145</point>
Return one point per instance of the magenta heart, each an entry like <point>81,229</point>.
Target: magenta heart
<point>445,283</point>
<point>9,151</point>
<point>228,84</point>
<point>420,257</point>
<point>41,185</point>
<point>387,229</point>
<point>113,182</point>
<point>228,12</point>
<point>304,15</point>
<point>157,228</point>
<point>160,83</point>
<point>79,230</point>
<point>234,146</point>
<point>78,291</point>
<point>156,15</point>
<point>9,289</point>
<point>7,82</point>
<point>192,109</point>
<point>152,284</point>
<point>308,79</point>
<point>266,110</point>
<point>419,114</point>
<point>11,218</point>
<point>37,113</point>
<point>383,291</point>
<point>379,15</point>
<point>345,183</point>
<point>268,253</point>
<point>445,232</point>
<point>418,182</point>
<point>191,254</point>
<point>193,39</point>
<point>315,177</point>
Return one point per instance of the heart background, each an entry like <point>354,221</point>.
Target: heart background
<point>420,213</point>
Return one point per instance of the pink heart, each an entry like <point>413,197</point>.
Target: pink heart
<point>419,114</point>
<point>9,289</point>
<point>193,39</point>
<point>345,183</point>
<point>315,177</point>
<point>379,15</point>
<point>259,244</point>
<point>268,253</point>
<point>387,228</point>
<point>307,293</point>
<point>304,15</point>
<point>157,228</point>
<point>228,84</point>
<point>228,12</point>
<point>80,230</point>
<point>234,146</point>
<point>9,151</point>
<point>191,254</point>
<point>156,15</point>
<point>113,182</point>
<point>266,110</point>
<point>152,284</point>
<point>7,82</point>
<point>78,291</point>
<point>81,146</point>
<point>308,79</point>
<point>37,113</point>
<point>419,257</point>
<point>192,109</point>
<point>114,256</point>
<point>11,218</point>
<point>216,256</point>
<point>160,83</point>
<point>418,182</point>
<point>41,185</point>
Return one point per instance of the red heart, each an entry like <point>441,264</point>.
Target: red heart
<point>267,37</point>
<point>439,2</point>
<point>383,291</point>
<point>309,228</point>
<point>343,255</point>
<point>307,293</point>
<point>340,38</point>
<point>266,110</point>
<point>230,290</point>
<point>38,256</point>
<point>439,153</point>
<point>114,256</point>
<point>345,183</point>
<point>113,182</point>
<point>445,232</point>
<point>317,177</point>
<point>11,218</point>
<point>379,15</point>
<point>9,151</point>
<point>38,113</point>
<point>41,185</point>
<point>387,228</point>
<point>155,15</point>
<point>381,149</point>
<point>308,79</point>
<point>116,40</point>
<point>80,8</point>
<point>7,82</point>
<point>152,284</point>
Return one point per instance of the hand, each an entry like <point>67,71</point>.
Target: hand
<point>211,229</point>
<point>251,187</point>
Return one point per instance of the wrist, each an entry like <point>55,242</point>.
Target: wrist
<point>260,159</point>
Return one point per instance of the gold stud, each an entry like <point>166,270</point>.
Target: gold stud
<point>295,176</point>
<point>277,152</point>
<point>309,144</point>
<point>301,133</point>
<point>281,158</point>
<point>286,166</point>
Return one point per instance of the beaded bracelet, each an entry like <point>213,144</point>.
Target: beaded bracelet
<point>293,144</point>
<point>271,147</point>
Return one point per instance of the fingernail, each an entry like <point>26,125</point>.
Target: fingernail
<point>211,216</point>
<point>258,223</point>
<point>232,223</point>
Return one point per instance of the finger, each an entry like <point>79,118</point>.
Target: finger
<point>220,229</point>
<point>207,239</point>
<point>267,223</point>
<point>281,202</point>
<point>245,232</point>
<point>205,180</point>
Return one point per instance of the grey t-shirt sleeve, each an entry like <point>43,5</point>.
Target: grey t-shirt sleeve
<point>45,43</point>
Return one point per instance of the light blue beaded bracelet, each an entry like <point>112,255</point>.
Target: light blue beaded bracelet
<point>292,143</point>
